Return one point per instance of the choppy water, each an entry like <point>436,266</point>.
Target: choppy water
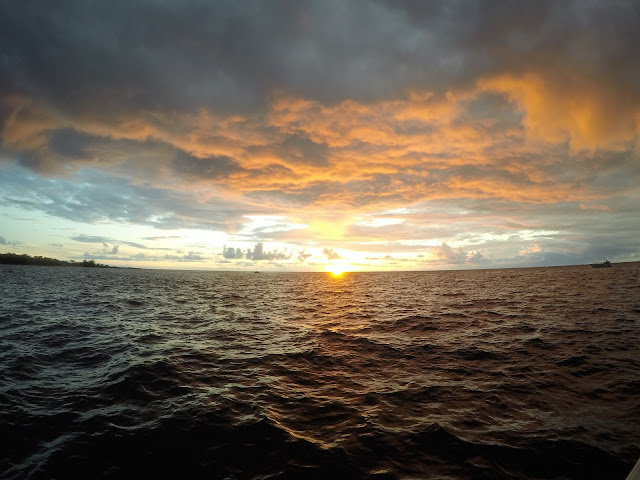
<point>495,374</point>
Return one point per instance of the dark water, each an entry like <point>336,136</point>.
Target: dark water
<point>496,374</point>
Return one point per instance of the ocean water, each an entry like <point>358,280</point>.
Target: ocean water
<point>486,374</point>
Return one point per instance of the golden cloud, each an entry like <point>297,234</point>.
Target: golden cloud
<point>588,114</point>
<point>381,153</point>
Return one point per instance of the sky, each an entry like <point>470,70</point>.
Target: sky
<point>316,135</point>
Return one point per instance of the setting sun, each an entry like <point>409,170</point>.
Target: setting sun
<point>337,269</point>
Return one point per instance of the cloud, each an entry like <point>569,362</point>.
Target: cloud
<point>191,257</point>
<point>114,249</point>
<point>91,197</point>
<point>331,254</point>
<point>13,243</point>
<point>193,168</point>
<point>532,249</point>
<point>195,257</point>
<point>228,56</point>
<point>222,55</point>
<point>587,114</point>
<point>457,255</point>
<point>449,254</point>
<point>201,115</point>
<point>105,241</point>
<point>232,253</point>
<point>476,258</point>
<point>294,150</point>
<point>163,237</point>
<point>303,256</point>
<point>258,253</point>
<point>481,140</point>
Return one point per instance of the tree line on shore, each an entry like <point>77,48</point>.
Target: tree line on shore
<point>24,259</point>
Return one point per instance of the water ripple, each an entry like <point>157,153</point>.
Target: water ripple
<point>476,374</point>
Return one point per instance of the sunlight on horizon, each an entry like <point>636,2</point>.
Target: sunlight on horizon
<point>337,269</point>
<point>285,166</point>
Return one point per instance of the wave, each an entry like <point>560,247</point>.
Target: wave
<point>134,373</point>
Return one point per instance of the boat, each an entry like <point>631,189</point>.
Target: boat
<point>604,264</point>
<point>635,473</point>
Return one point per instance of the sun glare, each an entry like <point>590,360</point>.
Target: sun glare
<point>337,269</point>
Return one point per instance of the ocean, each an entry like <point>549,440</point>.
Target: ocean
<point>483,374</point>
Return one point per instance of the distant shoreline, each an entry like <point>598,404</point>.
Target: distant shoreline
<point>24,259</point>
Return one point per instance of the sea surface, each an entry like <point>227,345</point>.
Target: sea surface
<point>485,374</point>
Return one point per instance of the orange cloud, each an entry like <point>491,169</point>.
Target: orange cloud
<point>378,154</point>
<point>26,122</point>
<point>532,249</point>
<point>588,114</point>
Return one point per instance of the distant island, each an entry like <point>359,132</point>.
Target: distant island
<point>24,259</point>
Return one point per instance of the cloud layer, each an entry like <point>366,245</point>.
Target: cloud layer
<point>434,133</point>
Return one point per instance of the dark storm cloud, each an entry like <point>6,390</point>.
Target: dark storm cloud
<point>596,37</point>
<point>181,54</point>
<point>300,149</point>
<point>66,146</point>
<point>133,53</point>
<point>230,55</point>
<point>295,149</point>
<point>190,167</point>
<point>67,142</point>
